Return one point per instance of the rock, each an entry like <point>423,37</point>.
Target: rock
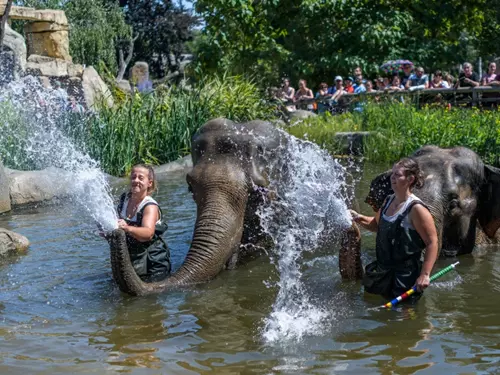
<point>31,14</point>
<point>28,187</point>
<point>48,39</point>
<point>183,164</point>
<point>124,86</point>
<point>4,190</point>
<point>75,70</point>
<point>94,88</point>
<point>45,81</point>
<point>352,143</point>
<point>298,115</point>
<point>47,66</point>
<point>15,43</point>
<point>12,243</point>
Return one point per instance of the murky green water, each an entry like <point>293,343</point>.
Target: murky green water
<point>61,313</point>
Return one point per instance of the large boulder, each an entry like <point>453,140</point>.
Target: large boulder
<point>183,164</point>
<point>12,243</point>
<point>47,66</point>
<point>296,117</point>
<point>4,190</point>
<point>94,88</point>
<point>48,39</point>
<point>12,55</point>
<point>30,187</point>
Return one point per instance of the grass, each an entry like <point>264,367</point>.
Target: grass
<point>403,129</point>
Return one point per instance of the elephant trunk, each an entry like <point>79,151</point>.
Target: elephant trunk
<point>350,254</point>
<point>216,238</point>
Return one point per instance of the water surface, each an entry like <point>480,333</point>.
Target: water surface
<point>61,313</point>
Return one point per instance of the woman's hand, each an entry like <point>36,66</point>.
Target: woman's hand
<point>355,216</point>
<point>123,225</point>
<point>422,282</point>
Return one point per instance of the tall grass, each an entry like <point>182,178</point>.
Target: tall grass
<point>402,129</point>
<point>153,128</point>
<point>157,128</point>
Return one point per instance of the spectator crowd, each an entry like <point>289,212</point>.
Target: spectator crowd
<point>410,80</point>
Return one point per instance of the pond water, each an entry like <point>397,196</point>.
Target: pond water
<point>60,311</point>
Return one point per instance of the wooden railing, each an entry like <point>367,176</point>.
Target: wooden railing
<point>463,96</point>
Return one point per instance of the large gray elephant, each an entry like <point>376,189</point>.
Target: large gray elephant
<point>462,194</point>
<point>232,165</point>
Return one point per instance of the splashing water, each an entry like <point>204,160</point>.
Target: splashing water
<point>310,209</point>
<point>38,118</point>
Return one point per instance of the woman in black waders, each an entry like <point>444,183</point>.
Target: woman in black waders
<point>404,229</point>
<point>140,218</point>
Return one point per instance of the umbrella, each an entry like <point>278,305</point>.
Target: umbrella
<point>395,66</point>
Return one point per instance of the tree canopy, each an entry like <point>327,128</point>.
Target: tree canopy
<point>317,38</point>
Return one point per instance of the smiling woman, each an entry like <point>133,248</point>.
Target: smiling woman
<point>404,229</point>
<point>140,218</point>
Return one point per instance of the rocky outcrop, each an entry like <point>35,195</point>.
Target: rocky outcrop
<point>94,88</point>
<point>297,116</point>
<point>13,58</point>
<point>4,190</point>
<point>184,164</point>
<point>46,31</point>
<point>30,187</point>
<point>48,39</point>
<point>84,84</point>
<point>12,243</point>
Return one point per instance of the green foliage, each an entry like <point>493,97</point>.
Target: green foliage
<point>402,129</point>
<point>96,28</point>
<point>316,39</point>
<point>162,28</point>
<point>157,127</point>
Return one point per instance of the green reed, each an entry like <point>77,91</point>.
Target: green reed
<point>157,128</point>
<point>399,129</point>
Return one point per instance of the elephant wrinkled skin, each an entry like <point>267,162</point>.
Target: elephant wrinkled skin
<point>461,192</point>
<point>232,165</point>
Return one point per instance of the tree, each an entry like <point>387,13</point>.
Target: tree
<point>316,39</point>
<point>162,29</point>
<point>97,27</point>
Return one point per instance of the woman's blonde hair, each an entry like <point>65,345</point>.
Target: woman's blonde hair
<point>151,176</point>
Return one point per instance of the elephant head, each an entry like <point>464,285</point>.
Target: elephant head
<point>460,192</point>
<point>232,164</point>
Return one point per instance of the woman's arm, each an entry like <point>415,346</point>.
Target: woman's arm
<point>423,222</point>
<point>368,222</point>
<point>146,231</point>
<point>308,95</point>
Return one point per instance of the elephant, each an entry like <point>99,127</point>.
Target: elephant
<point>461,192</point>
<point>233,165</point>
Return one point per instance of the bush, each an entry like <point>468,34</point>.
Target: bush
<point>404,129</point>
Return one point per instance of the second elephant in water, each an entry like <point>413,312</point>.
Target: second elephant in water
<point>461,192</point>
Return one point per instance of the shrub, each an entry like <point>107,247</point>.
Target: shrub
<point>403,129</point>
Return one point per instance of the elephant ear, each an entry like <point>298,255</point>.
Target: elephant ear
<point>489,207</point>
<point>380,188</point>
